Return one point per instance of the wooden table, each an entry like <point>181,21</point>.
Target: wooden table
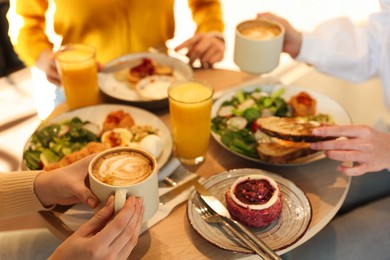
<point>174,238</point>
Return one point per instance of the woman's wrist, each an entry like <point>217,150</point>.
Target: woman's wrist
<point>42,189</point>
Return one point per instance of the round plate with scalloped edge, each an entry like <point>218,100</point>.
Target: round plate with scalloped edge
<point>280,235</point>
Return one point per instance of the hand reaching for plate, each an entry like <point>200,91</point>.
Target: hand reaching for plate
<point>367,147</point>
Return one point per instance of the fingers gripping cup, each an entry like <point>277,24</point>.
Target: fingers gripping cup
<point>258,45</point>
<point>125,172</point>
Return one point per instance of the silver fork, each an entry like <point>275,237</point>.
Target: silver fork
<point>214,218</point>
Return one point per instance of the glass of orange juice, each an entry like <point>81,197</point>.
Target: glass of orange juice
<point>190,111</point>
<point>78,71</point>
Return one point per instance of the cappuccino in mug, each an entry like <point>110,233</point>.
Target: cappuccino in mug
<point>260,31</point>
<point>258,45</point>
<point>122,168</point>
<point>124,172</point>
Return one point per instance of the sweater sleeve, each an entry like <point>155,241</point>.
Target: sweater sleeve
<point>17,196</point>
<point>207,14</point>
<point>32,39</point>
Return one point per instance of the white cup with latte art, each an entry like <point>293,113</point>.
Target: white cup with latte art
<point>124,172</point>
<point>258,45</point>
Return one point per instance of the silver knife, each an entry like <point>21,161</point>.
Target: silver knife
<point>218,219</point>
<point>219,208</point>
<point>166,197</point>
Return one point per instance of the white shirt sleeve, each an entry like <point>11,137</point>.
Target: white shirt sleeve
<point>342,49</point>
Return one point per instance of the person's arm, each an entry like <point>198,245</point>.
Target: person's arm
<point>208,44</point>
<point>32,39</point>
<point>26,191</point>
<point>338,47</point>
<point>33,45</point>
<point>207,15</point>
<point>17,195</point>
<point>341,48</point>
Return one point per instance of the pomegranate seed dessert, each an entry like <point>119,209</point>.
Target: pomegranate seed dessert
<point>254,200</point>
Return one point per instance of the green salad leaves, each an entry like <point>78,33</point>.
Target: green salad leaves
<point>50,143</point>
<point>235,122</point>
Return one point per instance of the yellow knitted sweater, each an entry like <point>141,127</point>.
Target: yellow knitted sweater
<point>113,27</point>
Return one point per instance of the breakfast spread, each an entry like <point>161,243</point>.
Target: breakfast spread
<point>148,67</point>
<point>59,144</point>
<point>254,200</point>
<point>149,78</point>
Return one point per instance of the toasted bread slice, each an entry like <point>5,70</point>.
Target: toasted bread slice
<point>292,129</point>
<point>282,152</point>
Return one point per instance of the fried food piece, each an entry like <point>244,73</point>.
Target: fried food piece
<point>90,148</point>
<point>303,104</point>
<point>118,119</point>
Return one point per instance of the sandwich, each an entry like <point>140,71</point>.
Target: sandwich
<point>278,151</point>
<point>293,129</point>
<point>289,140</point>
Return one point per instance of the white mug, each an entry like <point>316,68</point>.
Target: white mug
<point>134,173</point>
<point>258,45</point>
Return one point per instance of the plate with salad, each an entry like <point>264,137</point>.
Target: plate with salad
<point>235,113</point>
<point>92,129</point>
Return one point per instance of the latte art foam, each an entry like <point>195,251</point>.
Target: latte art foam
<point>122,168</point>
<point>261,33</point>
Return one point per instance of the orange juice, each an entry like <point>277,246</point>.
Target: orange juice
<point>190,110</point>
<point>78,71</point>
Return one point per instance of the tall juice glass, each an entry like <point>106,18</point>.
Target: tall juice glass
<point>78,72</point>
<point>190,111</point>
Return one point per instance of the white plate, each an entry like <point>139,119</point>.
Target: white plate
<point>121,90</point>
<point>97,114</point>
<point>281,235</point>
<point>325,105</point>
